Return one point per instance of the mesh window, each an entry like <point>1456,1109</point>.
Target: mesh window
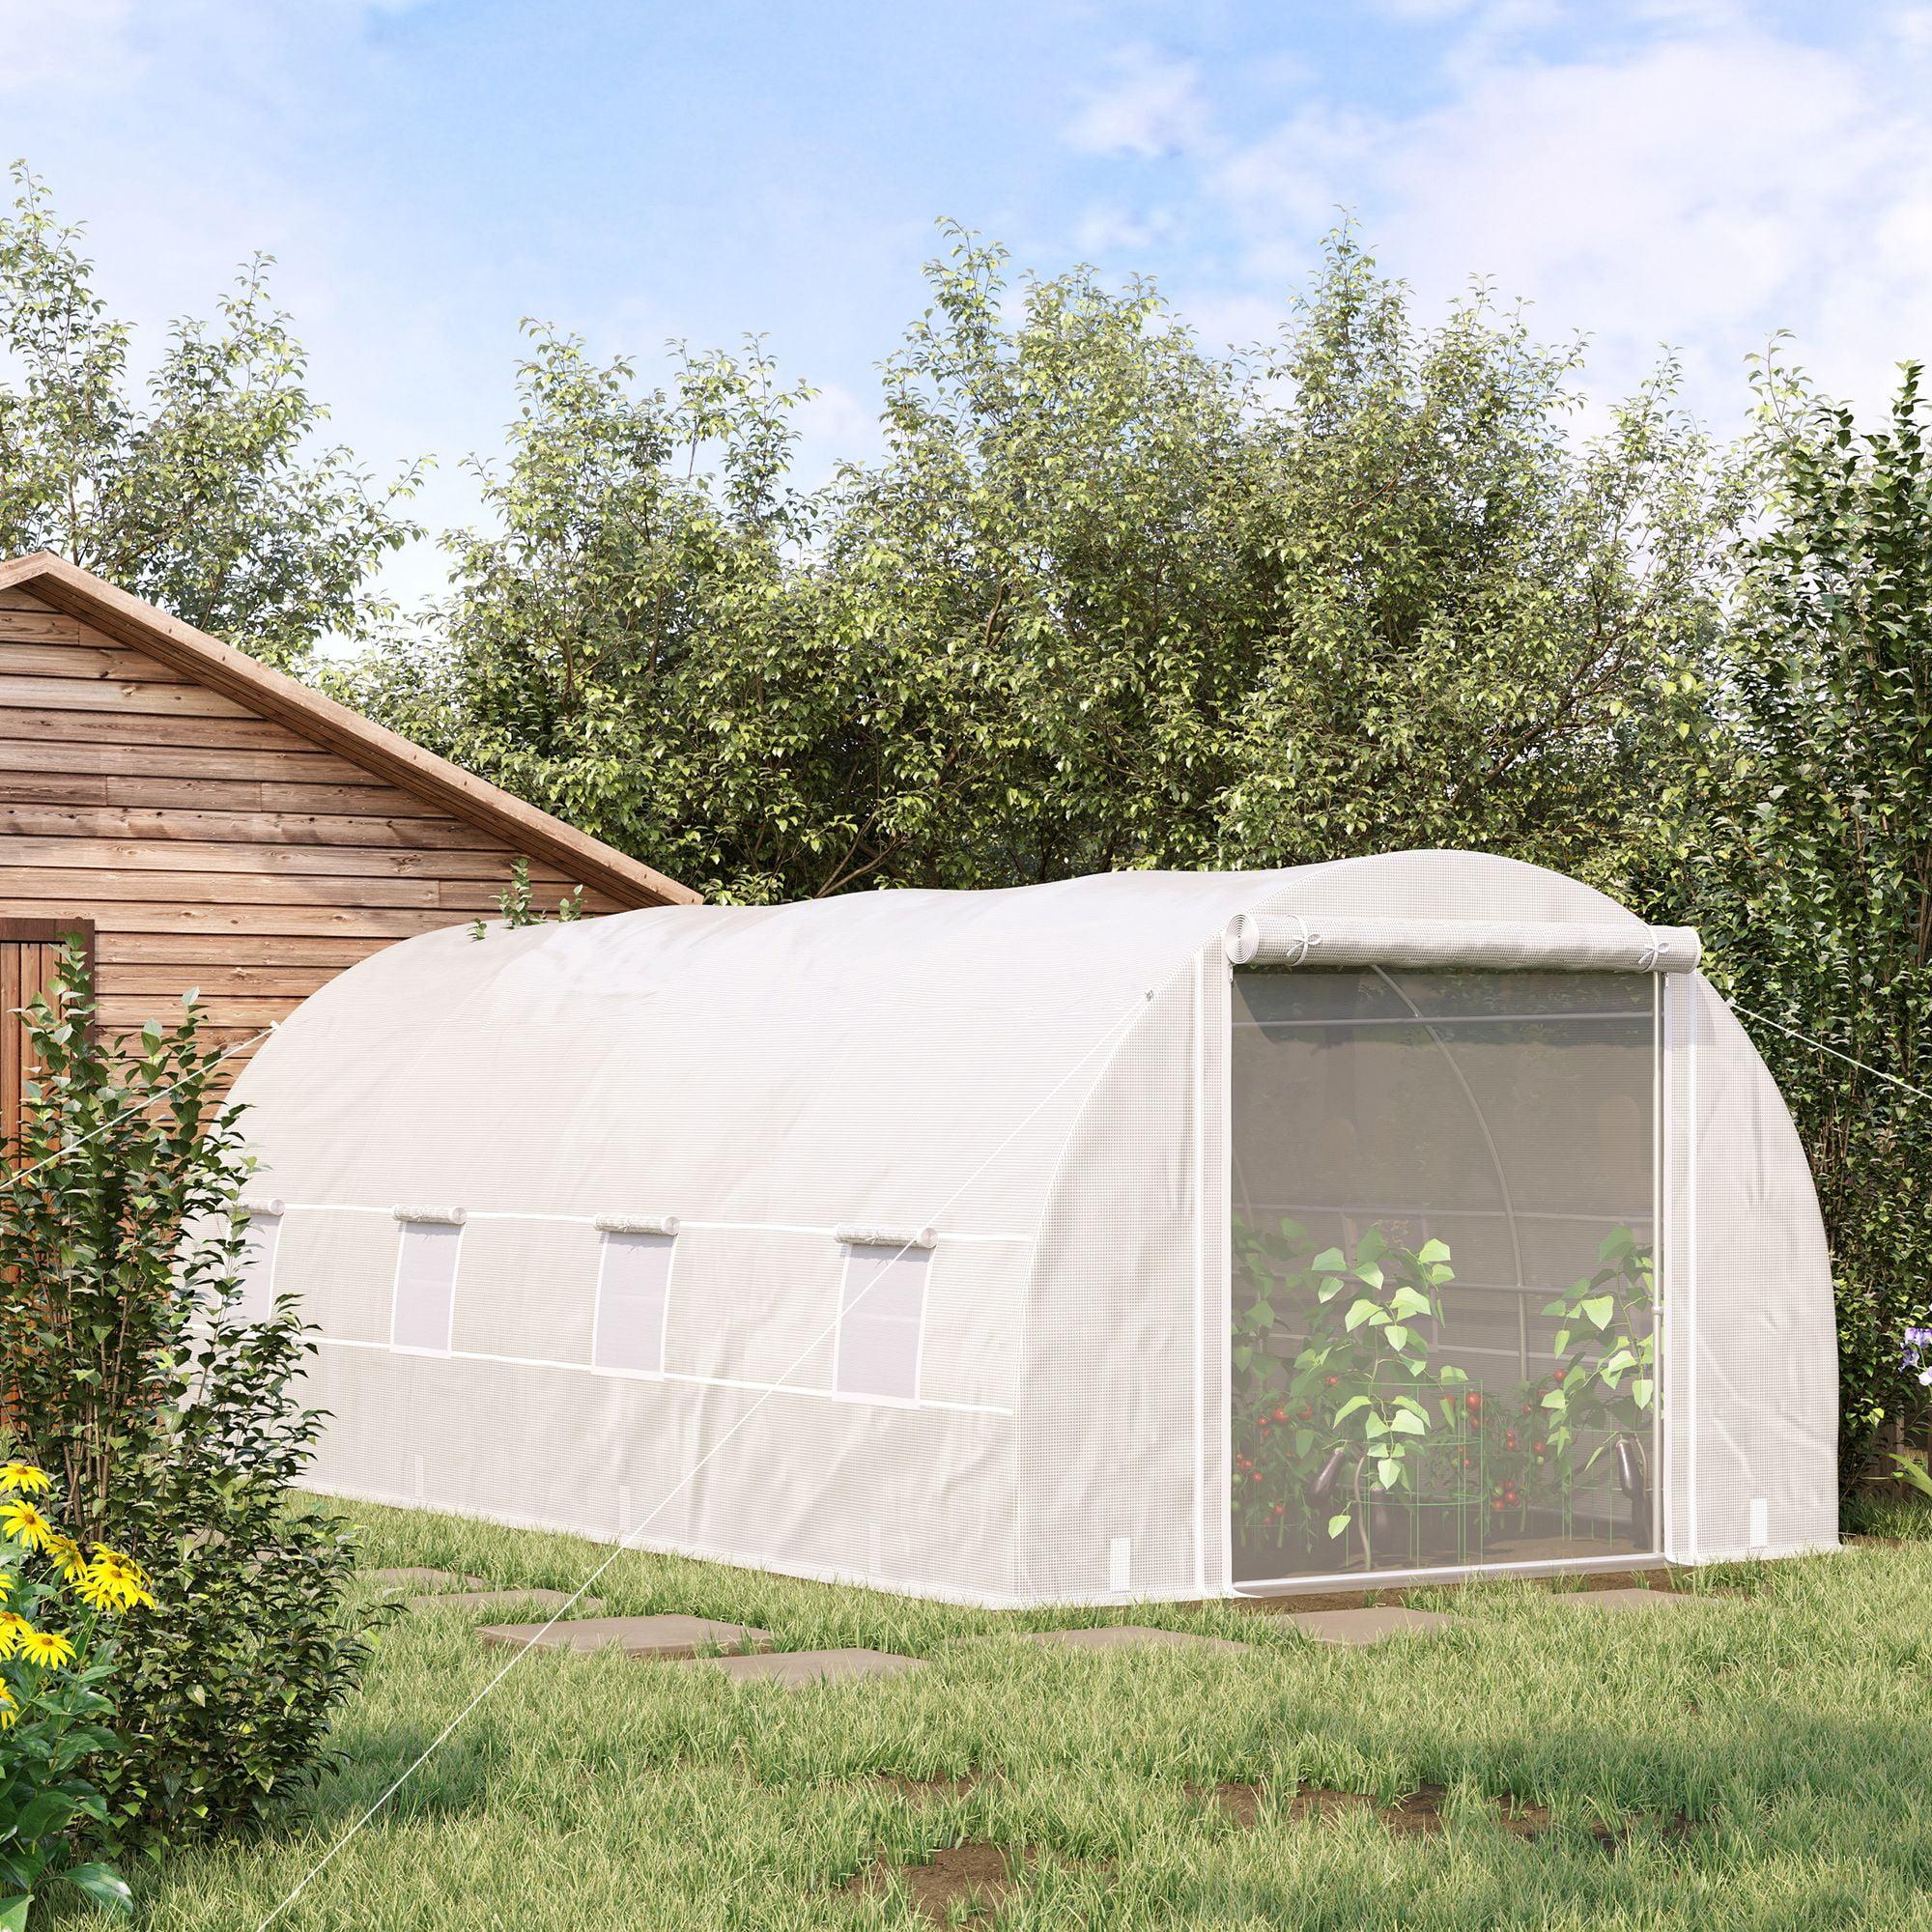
<point>260,1235</point>
<point>633,1292</point>
<point>1443,1347</point>
<point>425,1286</point>
<point>881,1312</point>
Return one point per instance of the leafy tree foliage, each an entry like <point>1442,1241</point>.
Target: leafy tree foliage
<point>1810,863</point>
<point>1104,600</point>
<point>209,496</point>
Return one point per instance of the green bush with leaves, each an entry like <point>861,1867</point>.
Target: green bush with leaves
<point>56,1712</point>
<point>1805,854</point>
<point>171,1422</point>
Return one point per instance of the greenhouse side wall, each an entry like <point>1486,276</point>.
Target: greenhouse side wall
<point>1121,1493</point>
<point>1755,1441</point>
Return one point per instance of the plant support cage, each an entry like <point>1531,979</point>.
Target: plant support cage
<point>1146,1235</point>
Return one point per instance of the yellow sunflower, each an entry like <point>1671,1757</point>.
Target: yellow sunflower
<point>25,1478</point>
<point>45,1648</point>
<point>13,1628</point>
<point>24,1524</point>
<point>9,1714</point>
<point>113,1580</point>
<point>64,1552</point>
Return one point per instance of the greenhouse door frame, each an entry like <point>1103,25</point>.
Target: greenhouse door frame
<point>1672,1011</point>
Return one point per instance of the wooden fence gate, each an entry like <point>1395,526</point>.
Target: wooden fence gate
<point>29,957</point>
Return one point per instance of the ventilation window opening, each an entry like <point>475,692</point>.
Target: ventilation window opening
<point>634,1272</point>
<point>881,1321</point>
<point>425,1293</point>
<point>259,1226</point>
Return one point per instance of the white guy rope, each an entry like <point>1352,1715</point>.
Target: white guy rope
<point>1877,1073</point>
<point>27,1172</point>
<point>1114,1033</point>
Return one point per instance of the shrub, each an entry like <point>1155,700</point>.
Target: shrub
<point>171,1419</point>
<point>52,1704</point>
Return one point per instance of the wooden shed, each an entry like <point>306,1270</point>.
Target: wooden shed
<point>201,820</point>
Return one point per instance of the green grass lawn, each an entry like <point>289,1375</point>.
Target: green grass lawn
<point>1763,1754</point>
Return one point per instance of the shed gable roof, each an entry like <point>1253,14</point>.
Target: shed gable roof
<point>140,625</point>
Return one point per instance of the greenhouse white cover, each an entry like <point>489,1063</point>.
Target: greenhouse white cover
<point>1145,1235</point>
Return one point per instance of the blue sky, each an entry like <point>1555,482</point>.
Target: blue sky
<point>429,171</point>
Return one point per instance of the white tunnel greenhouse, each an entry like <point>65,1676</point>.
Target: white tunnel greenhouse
<point>1148,1236</point>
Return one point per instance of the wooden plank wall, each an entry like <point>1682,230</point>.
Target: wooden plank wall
<point>211,846</point>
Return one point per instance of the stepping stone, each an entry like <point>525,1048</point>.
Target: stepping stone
<point>1617,1599</point>
<point>1364,1626</point>
<point>796,1667</point>
<point>634,1636</point>
<point>504,1600</point>
<point>422,1579</point>
<point>1117,1637</point>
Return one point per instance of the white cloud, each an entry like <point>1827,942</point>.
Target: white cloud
<point>1702,185</point>
<point>1151,105</point>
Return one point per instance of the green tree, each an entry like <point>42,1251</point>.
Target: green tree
<point>1473,616</point>
<point>211,495</point>
<point>1811,862</point>
<point>1105,599</point>
<point>629,643</point>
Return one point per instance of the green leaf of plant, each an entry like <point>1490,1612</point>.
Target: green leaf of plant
<point>1360,1313</point>
<point>1599,1309</point>
<point>1405,1422</point>
<point>1369,1273</point>
<point>1556,1400</point>
<point>43,1815</point>
<point>1350,1407</point>
<point>1396,1336</point>
<point>1336,1525</point>
<point>1407,1301</point>
<point>1432,1250</point>
<point>1328,1262</point>
<point>1372,1247</point>
<point>1641,1390</point>
<point>1388,1471</point>
<point>104,1886</point>
<point>13,1911</point>
<point>1561,1343</point>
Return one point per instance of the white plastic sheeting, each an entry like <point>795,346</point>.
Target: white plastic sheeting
<point>1034,1082</point>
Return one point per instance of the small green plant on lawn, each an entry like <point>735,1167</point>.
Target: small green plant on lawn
<point>56,1710</point>
<point>168,1421</point>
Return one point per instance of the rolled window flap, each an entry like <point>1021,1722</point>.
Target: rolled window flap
<point>638,1224</point>
<point>260,1203</point>
<point>1295,939</point>
<point>440,1217</point>
<point>856,1236</point>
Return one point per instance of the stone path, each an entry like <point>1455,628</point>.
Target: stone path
<point>1618,1600</point>
<point>1365,1626</point>
<point>671,1636</point>
<point>505,1599</point>
<point>419,1578</point>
